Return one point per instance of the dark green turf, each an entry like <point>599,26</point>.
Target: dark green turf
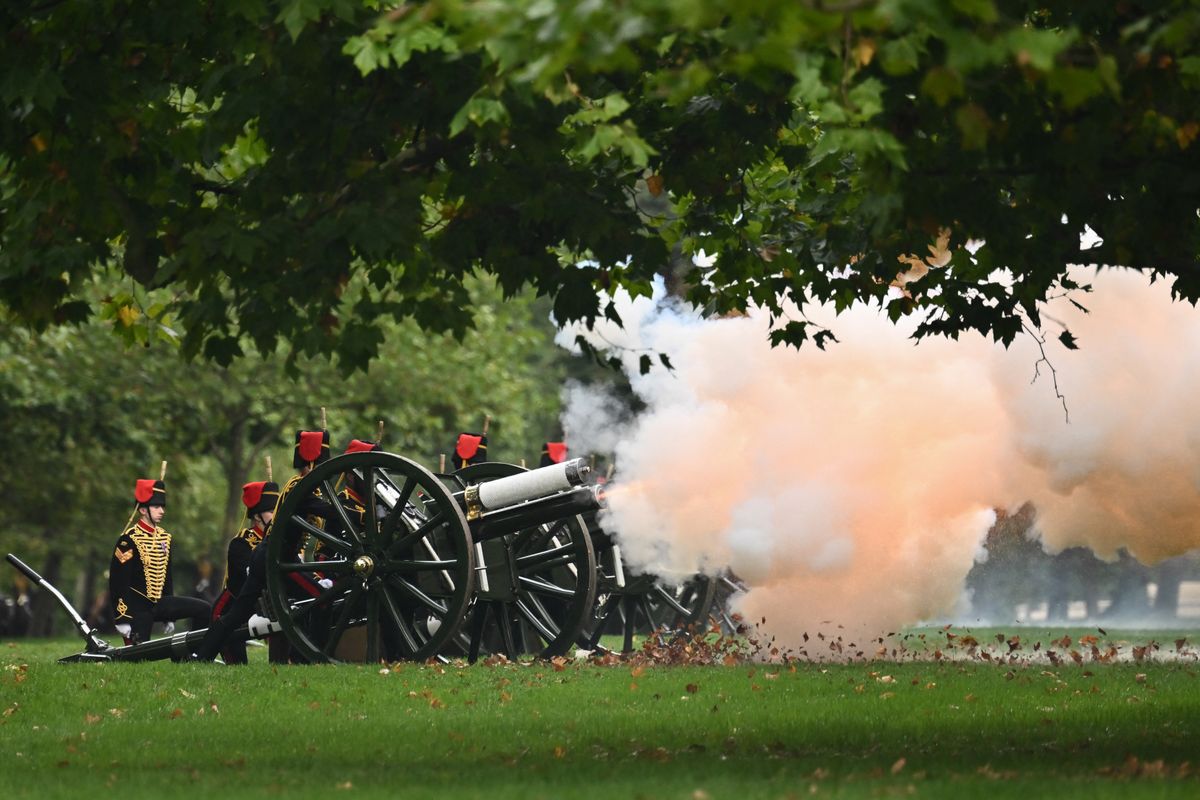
<point>876,729</point>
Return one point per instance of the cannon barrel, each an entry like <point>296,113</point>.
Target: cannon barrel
<point>480,498</point>
<point>559,505</point>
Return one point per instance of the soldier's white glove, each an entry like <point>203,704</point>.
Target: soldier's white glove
<point>124,629</point>
<point>168,628</point>
<point>258,625</point>
<point>325,583</point>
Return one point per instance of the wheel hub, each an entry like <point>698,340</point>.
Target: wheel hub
<point>364,565</point>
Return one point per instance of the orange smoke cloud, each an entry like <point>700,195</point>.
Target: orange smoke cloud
<point>854,486</point>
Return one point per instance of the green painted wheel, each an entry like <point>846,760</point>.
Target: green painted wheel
<point>540,584</point>
<point>386,578</point>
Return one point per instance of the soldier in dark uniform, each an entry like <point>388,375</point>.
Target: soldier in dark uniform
<point>139,575</point>
<point>312,448</point>
<point>259,498</point>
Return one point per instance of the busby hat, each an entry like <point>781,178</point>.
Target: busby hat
<point>260,497</point>
<point>312,447</point>
<point>553,453</point>
<point>149,492</point>
<point>471,448</point>
<point>359,446</point>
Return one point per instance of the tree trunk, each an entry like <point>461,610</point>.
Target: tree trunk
<point>236,471</point>
<point>44,608</point>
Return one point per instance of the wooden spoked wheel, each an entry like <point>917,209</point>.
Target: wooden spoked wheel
<point>534,589</point>
<point>384,571</point>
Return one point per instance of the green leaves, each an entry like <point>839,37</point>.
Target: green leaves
<point>255,159</point>
<point>296,14</point>
<point>478,111</point>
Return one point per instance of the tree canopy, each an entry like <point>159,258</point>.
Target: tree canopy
<point>300,170</point>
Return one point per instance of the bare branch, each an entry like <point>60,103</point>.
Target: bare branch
<point>1041,343</point>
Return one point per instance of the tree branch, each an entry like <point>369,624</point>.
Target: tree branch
<point>1041,343</point>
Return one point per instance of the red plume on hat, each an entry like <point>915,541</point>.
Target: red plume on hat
<point>312,447</point>
<point>468,446</point>
<point>260,496</point>
<point>554,453</point>
<point>359,446</point>
<point>149,492</point>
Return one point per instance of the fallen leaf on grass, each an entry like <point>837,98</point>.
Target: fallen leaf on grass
<point>692,688</point>
<point>176,713</point>
<point>899,765</point>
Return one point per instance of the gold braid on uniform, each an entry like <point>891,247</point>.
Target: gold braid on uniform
<point>308,544</point>
<point>155,551</point>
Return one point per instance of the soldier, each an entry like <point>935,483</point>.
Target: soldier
<point>259,498</point>
<point>139,575</point>
<point>312,448</point>
<point>354,490</point>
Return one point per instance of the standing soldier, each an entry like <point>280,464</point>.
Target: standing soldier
<point>139,575</point>
<point>259,498</point>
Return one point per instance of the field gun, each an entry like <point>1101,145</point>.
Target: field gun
<point>407,556</point>
<point>402,560</point>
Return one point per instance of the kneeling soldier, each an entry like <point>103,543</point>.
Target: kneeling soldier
<point>259,498</point>
<point>312,448</point>
<point>139,575</point>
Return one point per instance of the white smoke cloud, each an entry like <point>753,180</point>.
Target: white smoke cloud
<point>854,485</point>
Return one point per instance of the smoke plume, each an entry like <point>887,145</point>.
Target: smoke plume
<point>853,486</point>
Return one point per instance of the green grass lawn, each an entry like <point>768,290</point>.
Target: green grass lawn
<point>873,729</point>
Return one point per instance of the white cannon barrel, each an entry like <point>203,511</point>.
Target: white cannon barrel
<point>535,483</point>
